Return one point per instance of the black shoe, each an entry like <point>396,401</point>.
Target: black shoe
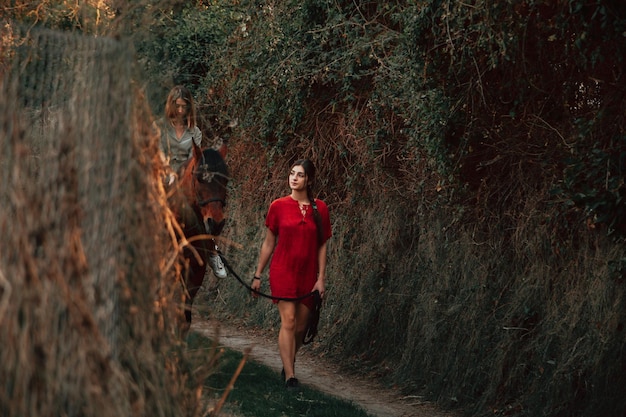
<point>282,373</point>
<point>292,383</point>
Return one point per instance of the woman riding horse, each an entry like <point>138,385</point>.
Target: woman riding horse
<point>198,200</point>
<point>179,132</point>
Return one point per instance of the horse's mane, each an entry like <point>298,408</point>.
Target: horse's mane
<point>212,158</point>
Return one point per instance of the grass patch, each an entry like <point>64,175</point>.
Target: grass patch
<point>260,392</point>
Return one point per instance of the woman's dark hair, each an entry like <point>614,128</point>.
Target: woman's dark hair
<point>309,170</point>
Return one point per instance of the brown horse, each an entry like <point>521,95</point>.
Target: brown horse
<point>198,202</point>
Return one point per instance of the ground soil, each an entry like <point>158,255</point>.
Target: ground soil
<point>320,374</point>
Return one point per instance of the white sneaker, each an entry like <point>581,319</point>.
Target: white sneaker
<point>218,266</point>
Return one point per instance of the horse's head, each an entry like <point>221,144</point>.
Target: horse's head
<point>204,180</point>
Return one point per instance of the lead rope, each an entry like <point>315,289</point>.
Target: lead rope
<point>241,281</point>
<point>314,317</point>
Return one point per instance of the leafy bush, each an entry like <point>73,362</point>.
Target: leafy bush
<point>462,148</point>
<point>472,155</point>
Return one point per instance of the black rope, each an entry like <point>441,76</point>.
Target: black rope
<point>314,317</point>
<point>241,281</point>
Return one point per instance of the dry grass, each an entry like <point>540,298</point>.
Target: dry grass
<point>89,287</point>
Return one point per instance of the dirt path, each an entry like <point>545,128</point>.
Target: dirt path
<point>318,373</point>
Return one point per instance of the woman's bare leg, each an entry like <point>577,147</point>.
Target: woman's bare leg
<point>287,336</point>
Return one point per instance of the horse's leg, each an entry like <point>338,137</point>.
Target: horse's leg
<point>193,274</point>
<point>192,291</point>
<point>193,284</point>
<point>190,294</point>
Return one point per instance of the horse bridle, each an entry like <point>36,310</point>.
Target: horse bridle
<point>205,176</point>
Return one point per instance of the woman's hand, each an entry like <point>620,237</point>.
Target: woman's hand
<point>256,286</point>
<point>319,286</point>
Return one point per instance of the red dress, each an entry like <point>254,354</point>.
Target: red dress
<point>294,265</point>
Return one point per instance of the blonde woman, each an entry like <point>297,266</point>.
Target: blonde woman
<point>178,133</point>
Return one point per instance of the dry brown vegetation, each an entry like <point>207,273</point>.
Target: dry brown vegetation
<point>89,288</point>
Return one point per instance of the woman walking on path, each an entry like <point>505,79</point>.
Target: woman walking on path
<point>298,228</point>
<point>178,131</point>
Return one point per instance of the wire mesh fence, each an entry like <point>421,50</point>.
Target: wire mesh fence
<point>87,312</point>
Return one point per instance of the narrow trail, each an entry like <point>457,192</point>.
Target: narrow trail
<point>321,375</point>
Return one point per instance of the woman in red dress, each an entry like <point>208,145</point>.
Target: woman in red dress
<point>298,228</point>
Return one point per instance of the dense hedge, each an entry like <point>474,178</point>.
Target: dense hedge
<point>472,154</point>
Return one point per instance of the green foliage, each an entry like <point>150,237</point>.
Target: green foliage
<point>594,174</point>
<point>180,45</point>
<point>472,153</point>
<point>295,59</point>
<point>185,44</point>
<point>523,80</point>
<point>473,157</point>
